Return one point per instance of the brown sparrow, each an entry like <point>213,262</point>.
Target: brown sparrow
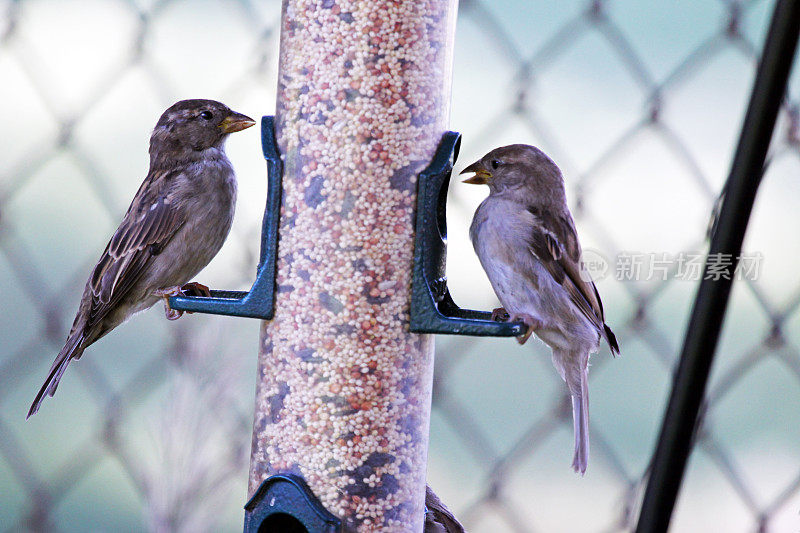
<point>175,225</point>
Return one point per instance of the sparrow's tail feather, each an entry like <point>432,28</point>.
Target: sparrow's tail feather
<point>573,366</point>
<point>580,418</point>
<point>71,350</point>
<point>612,340</point>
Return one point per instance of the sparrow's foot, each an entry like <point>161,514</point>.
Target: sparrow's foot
<point>189,289</point>
<point>532,323</point>
<point>195,289</point>
<point>171,314</point>
<point>499,314</point>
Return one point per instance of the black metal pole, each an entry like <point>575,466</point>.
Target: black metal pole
<point>675,441</point>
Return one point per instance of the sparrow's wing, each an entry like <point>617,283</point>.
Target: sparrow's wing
<point>555,242</point>
<point>151,221</point>
<point>438,518</point>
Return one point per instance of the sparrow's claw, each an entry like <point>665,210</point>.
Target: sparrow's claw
<point>195,289</point>
<point>171,314</point>
<point>499,314</point>
<point>189,289</point>
<point>522,339</point>
<point>532,323</point>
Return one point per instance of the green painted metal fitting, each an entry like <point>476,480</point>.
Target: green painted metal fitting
<point>284,503</point>
<point>432,308</point>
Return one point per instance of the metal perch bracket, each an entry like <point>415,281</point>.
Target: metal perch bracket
<point>432,308</point>
<point>259,301</point>
<point>285,504</point>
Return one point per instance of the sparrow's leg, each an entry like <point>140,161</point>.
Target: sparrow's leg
<point>172,314</point>
<point>532,323</point>
<point>499,314</point>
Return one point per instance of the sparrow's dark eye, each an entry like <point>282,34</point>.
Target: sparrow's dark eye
<point>495,163</point>
<point>207,115</point>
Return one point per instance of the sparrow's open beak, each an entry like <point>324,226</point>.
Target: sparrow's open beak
<point>481,176</point>
<point>236,122</point>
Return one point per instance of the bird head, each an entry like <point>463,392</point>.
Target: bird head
<point>195,125</point>
<point>517,166</point>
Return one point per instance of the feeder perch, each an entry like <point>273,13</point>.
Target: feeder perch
<point>432,308</point>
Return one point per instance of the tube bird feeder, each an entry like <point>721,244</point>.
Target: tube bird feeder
<point>352,267</point>
<point>344,390</point>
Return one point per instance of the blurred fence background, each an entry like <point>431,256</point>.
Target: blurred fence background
<point>638,102</point>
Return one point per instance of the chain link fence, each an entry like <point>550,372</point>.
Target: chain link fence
<point>639,104</point>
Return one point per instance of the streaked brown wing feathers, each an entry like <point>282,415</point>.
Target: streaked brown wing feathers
<point>555,243</point>
<point>151,220</point>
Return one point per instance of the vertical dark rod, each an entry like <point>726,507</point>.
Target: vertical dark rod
<point>675,441</point>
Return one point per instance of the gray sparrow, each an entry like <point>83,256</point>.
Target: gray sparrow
<point>526,241</point>
<point>175,225</point>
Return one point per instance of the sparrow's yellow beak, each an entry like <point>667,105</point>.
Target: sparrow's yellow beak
<point>481,176</point>
<point>236,122</point>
